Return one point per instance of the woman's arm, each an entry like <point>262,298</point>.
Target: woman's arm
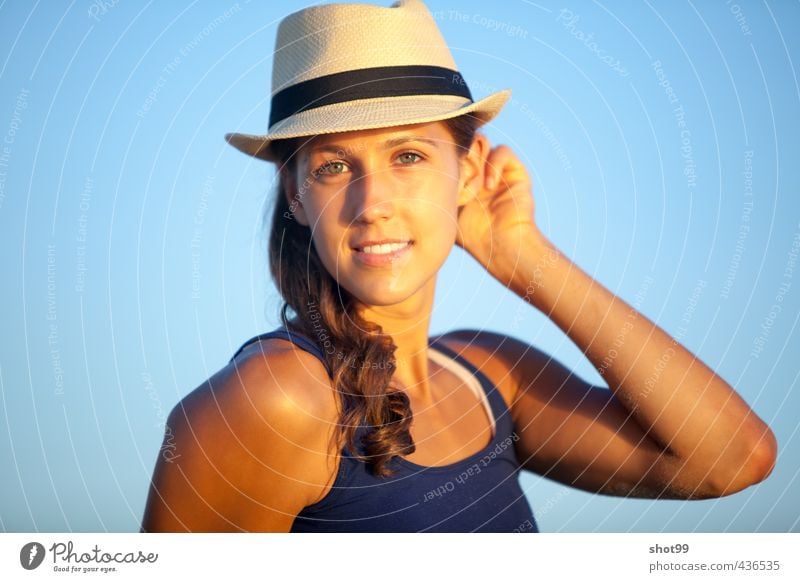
<point>669,425</point>
<point>681,404</point>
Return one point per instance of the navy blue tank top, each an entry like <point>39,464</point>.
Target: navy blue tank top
<point>480,493</point>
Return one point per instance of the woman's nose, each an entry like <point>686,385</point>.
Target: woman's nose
<point>373,196</point>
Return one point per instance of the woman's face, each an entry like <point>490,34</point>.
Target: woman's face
<point>382,205</point>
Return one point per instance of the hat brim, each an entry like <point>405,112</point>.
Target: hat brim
<point>368,114</point>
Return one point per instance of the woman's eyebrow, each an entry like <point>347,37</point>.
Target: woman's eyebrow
<point>389,143</point>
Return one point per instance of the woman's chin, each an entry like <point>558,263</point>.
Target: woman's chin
<point>383,293</point>
<point>377,298</point>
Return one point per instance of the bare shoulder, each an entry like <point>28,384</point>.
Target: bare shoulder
<point>249,448</point>
<point>500,357</point>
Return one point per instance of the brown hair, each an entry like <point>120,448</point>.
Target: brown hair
<point>324,313</point>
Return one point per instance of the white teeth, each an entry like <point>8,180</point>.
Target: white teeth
<point>384,248</point>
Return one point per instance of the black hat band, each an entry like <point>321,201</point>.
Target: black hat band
<point>367,84</point>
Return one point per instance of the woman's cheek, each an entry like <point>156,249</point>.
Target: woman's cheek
<point>445,217</point>
<point>327,249</point>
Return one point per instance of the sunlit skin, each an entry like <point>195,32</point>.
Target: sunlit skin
<point>253,443</point>
<point>683,432</point>
<point>355,187</point>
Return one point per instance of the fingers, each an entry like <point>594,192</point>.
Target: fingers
<point>495,162</point>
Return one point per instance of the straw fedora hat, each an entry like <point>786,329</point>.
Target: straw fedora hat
<point>345,67</point>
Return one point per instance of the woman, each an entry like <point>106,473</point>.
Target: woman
<point>348,417</point>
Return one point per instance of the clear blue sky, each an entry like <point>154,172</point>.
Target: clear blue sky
<point>661,138</point>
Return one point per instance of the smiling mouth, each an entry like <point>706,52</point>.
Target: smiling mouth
<point>384,249</point>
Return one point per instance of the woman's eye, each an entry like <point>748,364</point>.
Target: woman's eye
<point>331,168</point>
<point>335,167</point>
<point>415,157</point>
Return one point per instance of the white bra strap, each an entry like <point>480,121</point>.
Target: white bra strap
<point>466,376</point>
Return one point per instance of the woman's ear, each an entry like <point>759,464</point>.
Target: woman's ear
<point>472,169</point>
<point>293,195</point>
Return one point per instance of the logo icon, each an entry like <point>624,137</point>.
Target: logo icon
<point>31,555</point>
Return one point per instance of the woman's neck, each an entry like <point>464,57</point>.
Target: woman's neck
<point>409,326</point>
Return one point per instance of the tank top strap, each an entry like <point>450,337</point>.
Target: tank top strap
<point>500,409</point>
<point>296,338</point>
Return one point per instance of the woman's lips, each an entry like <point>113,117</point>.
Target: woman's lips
<point>382,259</point>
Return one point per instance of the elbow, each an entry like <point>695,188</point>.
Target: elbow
<point>766,456</point>
<point>755,466</point>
